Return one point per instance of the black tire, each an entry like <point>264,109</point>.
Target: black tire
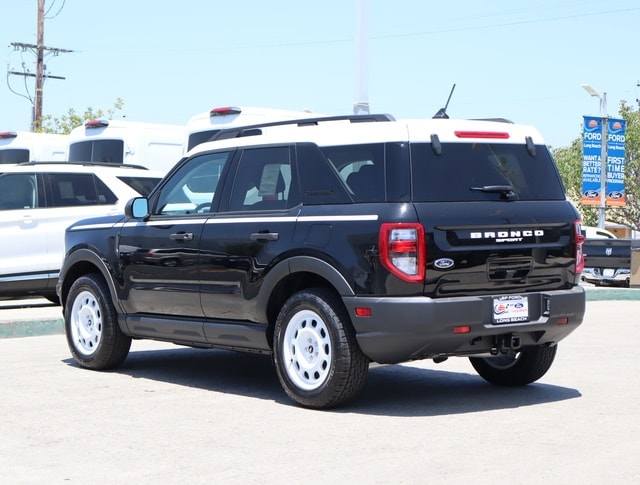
<point>523,368</point>
<point>90,323</point>
<point>316,355</point>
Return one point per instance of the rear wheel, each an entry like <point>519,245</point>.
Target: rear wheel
<point>519,369</point>
<point>91,327</point>
<point>317,358</point>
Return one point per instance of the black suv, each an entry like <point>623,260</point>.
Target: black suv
<point>330,243</point>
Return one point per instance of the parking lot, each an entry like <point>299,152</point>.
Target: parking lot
<point>178,415</point>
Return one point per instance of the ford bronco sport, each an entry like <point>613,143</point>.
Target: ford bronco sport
<point>331,243</point>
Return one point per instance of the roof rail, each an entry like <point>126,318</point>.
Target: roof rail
<point>252,130</point>
<point>94,164</point>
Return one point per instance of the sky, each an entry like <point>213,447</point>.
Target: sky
<point>524,61</point>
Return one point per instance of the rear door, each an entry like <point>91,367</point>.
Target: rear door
<point>253,227</point>
<point>23,226</point>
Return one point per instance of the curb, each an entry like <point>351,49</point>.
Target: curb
<point>31,328</point>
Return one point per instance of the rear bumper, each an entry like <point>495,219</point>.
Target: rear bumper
<point>596,275</point>
<point>407,328</point>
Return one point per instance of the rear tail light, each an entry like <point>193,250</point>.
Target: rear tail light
<point>579,242</point>
<point>224,111</point>
<point>402,250</point>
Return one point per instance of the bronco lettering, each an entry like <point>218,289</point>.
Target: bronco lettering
<point>507,234</point>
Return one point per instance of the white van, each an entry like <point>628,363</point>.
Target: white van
<point>155,146</point>
<point>203,126</point>
<point>26,146</point>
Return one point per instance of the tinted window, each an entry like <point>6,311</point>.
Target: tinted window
<point>376,172</point>
<point>18,191</point>
<point>467,171</point>
<point>107,151</point>
<point>263,180</point>
<point>14,155</point>
<point>191,188</point>
<point>74,189</point>
<point>142,185</point>
<point>319,180</point>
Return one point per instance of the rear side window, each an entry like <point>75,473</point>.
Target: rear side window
<point>73,189</point>
<point>376,172</point>
<point>106,151</point>
<point>142,185</point>
<point>476,172</point>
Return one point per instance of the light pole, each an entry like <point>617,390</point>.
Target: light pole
<point>603,157</point>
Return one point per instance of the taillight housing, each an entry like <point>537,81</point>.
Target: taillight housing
<point>403,250</point>
<point>579,242</point>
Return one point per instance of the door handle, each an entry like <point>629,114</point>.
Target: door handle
<point>265,236</point>
<point>181,236</point>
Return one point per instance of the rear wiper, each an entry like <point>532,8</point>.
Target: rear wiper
<point>506,190</point>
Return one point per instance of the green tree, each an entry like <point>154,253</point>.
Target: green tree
<point>569,161</point>
<point>68,121</point>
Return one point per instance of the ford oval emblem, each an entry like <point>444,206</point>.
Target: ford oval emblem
<point>443,263</point>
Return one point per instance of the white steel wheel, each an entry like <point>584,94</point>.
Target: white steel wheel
<point>86,323</point>
<point>315,352</point>
<point>91,325</point>
<point>307,350</point>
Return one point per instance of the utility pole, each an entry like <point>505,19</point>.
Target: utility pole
<point>37,105</point>
<point>39,50</point>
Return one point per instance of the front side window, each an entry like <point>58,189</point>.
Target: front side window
<point>192,187</point>
<point>18,191</point>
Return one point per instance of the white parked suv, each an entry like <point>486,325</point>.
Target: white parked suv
<point>39,200</point>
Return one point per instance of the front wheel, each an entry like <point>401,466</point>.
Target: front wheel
<point>91,326</point>
<point>520,369</point>
<point>317,358</point>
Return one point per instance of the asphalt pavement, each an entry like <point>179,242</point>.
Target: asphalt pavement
<point>171,414</point>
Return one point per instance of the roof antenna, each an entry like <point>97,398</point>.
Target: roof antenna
<point>442,112</point>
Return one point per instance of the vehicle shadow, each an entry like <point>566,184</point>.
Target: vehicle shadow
<point>392,390</point>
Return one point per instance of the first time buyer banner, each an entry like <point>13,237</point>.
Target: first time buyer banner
<point>592,139</point>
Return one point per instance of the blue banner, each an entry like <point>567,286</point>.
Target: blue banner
<point>591,160</point>
<point>592,165</point>
<point>616,133</point>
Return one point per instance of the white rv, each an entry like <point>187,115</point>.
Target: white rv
<point>26,146</point>
<point>152,145</point>
<point>203,126</point>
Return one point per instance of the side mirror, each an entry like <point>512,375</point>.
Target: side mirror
<point>137,208</point>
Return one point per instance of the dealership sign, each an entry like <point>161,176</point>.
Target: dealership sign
<point>603,137</point>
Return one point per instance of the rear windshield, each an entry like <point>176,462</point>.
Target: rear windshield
<point>483,171</point>
<point>142,185</point>
<point>14,155</point>
<point>107,151</point>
